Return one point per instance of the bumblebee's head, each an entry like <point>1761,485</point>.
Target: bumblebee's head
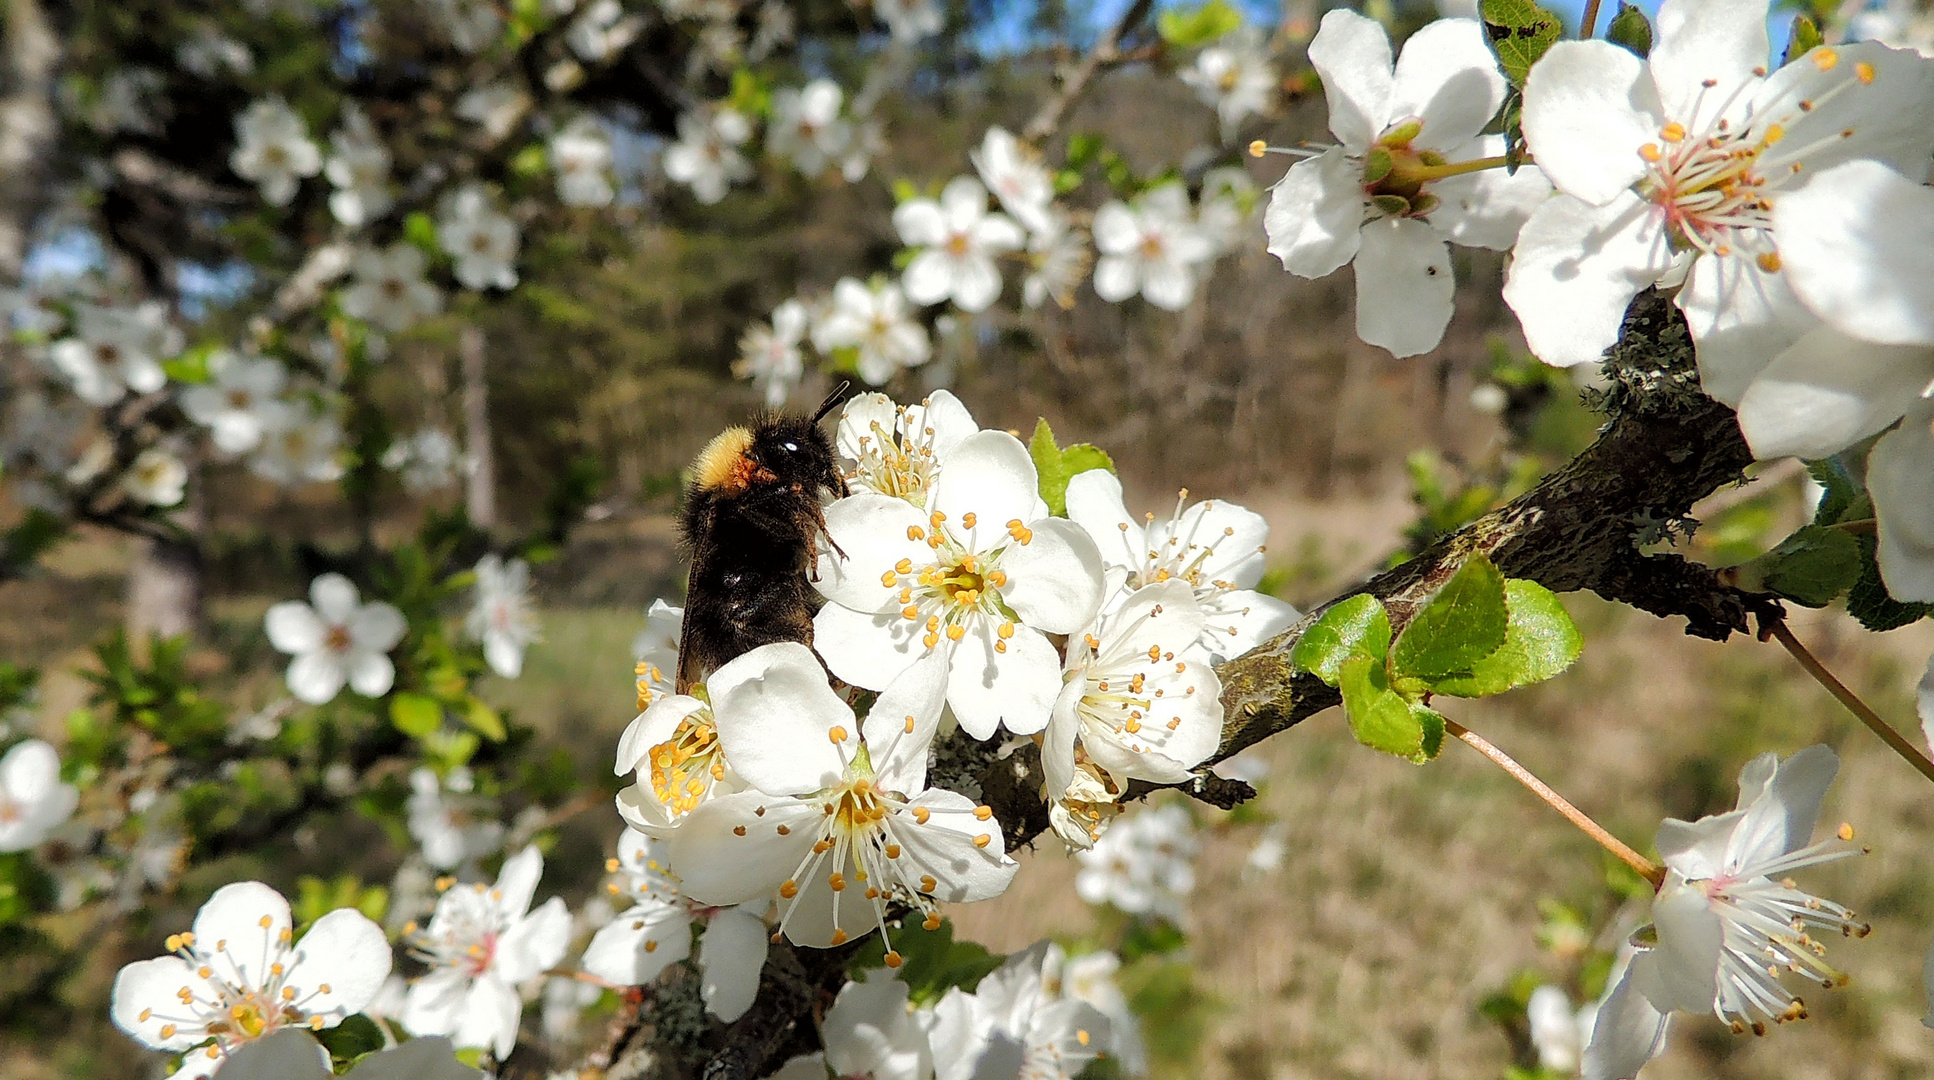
<point>797,454</point>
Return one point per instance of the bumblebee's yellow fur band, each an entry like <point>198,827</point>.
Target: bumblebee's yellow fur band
<point>723,465</point>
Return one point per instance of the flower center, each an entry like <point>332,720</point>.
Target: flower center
<point>238,399</point>
<point>1395,174</point>
<point>337,639</point>
<point>684,767</point>
<point>959,587</point>
<point>958,245</point>
<point>899,463</point>
<point>1715,186</point>
<point>234,1012</point>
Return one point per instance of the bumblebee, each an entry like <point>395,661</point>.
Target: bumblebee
<point>753,519</point>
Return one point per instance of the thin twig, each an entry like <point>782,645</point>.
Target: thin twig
<point>1104,51</point>
<point>1589,22</point>
<point>1542,790</point>
<point>1780,632</point>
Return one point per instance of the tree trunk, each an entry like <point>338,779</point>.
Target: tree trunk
<point>164,590</point>
<point>27,127</point>
<point>480,492</point>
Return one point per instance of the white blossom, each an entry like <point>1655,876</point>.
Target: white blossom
<point>502,615</point>
<point>483,241</point>
<point>1558,1031</point>
<point>897,450</point>
<point>957,241</point>
<point>292,1054</point>
<point>673,748</point>
<point>1234,77</point>
<point>208,51</point>
<point>116,350</point>
<point>1144,865</point>
<point>336,639</point>
<point>1014,172</point>
<point>910,21</point>
<point>1382,200</point>
<point>875,321</point>
<point>451,831</point>
<point>706,156</point>
<point>155,477</point>
<point>389,289</point>
<point>359,169</point>
<point>1058,259</point>
<point>869,1032</point>
<point>481,942</point>
<point>1152,248</point>
<point>428,460</point>
<point>33,800</point>
<point>1090,978</point>
<point>777,27</point>
<point>832,804</point>
<point>1014,1025</point>
<point>656,650</point>
<point>1669,167</point>
<point>1227,205</point>
<point>656,932</point>
<point>601,30</point>
<point>806,126</point>
<point>1899,24</point>
<point>495,107</point>
<point>471,25</point>
<point>581,157</point>
<point>240,975</point>
<point>1214,545</point>
<point>273,149</point>
<point>1728,918</point>
<point>770,356</point>
<point>971,586</point>
<point>299,445</point>
<point>239,401</point>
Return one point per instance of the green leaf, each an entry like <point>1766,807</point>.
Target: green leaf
<point>1189,28</point>
<point>1351,628</point>
<point>1871,603</point>
<point>1379,716</point>
<point>931,960</point>
<point>420,231</point>
<point>1805,37</point>
<point>484,720</point>
<point>355,1036</point>
<point>1631,29</point>
<point>1057,466</point>
<point>1843,490</point>
<point>1540,640</point>
<point>415,715</point>
<point>1519,31</point>
<point>1812,567</point>
<point>1460,624</point>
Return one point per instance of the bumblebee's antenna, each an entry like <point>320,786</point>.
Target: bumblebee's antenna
<point>832,399</point>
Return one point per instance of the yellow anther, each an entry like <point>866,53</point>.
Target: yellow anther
<point>1005,630</point>
<point>909,725</point>
<point>839,937</point>
<point>738,830</point>
<point>836,733</point>
<point>167,1030</point>
<point>893,851</point>
<point>1825,58</point>
<point>893,959</point>
<point>915,532</point>
<point>1673,132</point>
<point>930,640</point>
<point>1846,831</point>
<point>264,922</point>
<point>288,993</point>
<point>1769,261</point>
<point>789,889</point>
<point>1154,652</point>
<point>611,866</point>
<point>1864,72</point>
<point>1094,642</point>
<point>982,813</point>
<point>968,563</point>
<point>1651,152</point>
<point>785,830</point>
<point>955,632</point>
<point>651,945</point>
<point>187,937</point>
<point>921,814</point>
<point>837,882</point>
<point>1774,133</point>
<point>821,847</point>
<point>998,579</point>
<point>1081,1036</point>
<point>982,840</point>
<point>911,611</point>
<point>204,971</point>
<point>968,519</point>
<point>888,579</point>
<point>927,883</point>
<point>904,566</point>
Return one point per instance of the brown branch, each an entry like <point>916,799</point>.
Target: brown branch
<point>1106,51</point>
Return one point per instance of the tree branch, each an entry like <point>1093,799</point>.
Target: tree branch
<point>1105,51</point>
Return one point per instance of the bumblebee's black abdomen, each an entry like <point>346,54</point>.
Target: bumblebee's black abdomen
<point>747,588</point>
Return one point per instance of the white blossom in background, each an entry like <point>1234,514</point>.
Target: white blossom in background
<point>1857,247</point>
<point>1090,978</point>
<point>1924,702</point>
<point>833,805</point>
<point>867,143</point>
<point>240,975</point>
<point>389,289</point>
<point>359,168</point>
<point>238,402</point>
<point>898,450</point>
<point>208,52</point>
<point>129,99</point>
<point>483,241</point>
<point>156,477</point>
<point>706,156</point>
<point>656,932</point>
<point>1058,260</point>
<point>776,27</point>
<point>495,107</point>
<point>1227,205</point>
<point>1899,24</point>
<point>481,942</point>
<point>502,615</point>
<point>1669,167</point>
<point>1235,78</point>
<point>1214,545</point>
<point>1729,919</point>
<point>449,830</point>
<point>336,639</point>
<point>1152,248</point>
<point>1143,865</point>
<point>770,356</point>
<point>292,1054</point>
<point>910,21</point>
<point>564,1000</point>
<point>601,30</point>
<point>958,241</point>
<point>1558,1031</point>
<point>1366,202</point>
<point>876,321</point>
<point>471,25</point>
<point>1014,172</point>
<point>656,650</point>
<point>429,460</point>
<point>972,586</point>
<point>1013,1024</point>
<point>33,800</point>
<point>581,157</point>
<point>116,350</point>
<point>299,446</point>
<point>273,149</point>
<point>806,126</point>
<point>869,1032</point>
<point>1140,697</point>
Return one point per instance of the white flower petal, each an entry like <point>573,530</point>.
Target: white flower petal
<point>920,223</point>
<point>1780,820</point>
<point>632,949</point>
<point>535,943</point>
<point>149,986</point>
<point>1575,270</point>
<point>651,727</point>
<point>491,1010</point>
<point>929,278</point>
<point>863,649</point>
<point>717,865</point>
<point>1352,54</point>
<point>1588,107</point>
<point>517,881</point>
<point>774,709</point>
<point>350,955</point>
<point>1095,503</point>
<point>1857,246</point>
<point>1314,214</point>
<point>378,627</point>
<point>1741,317</point>
<point>371,674</point>
<point>251,918</point>
<point>1827,392</point>
<point>1117,278</point>
<point>731,954</point>
<point>1487,209</point>
<point>1404,286</point>
<point>293,627</point>
<point>1448,78</point>
<point>900,727</point>
<point>316,678</point>
<point>872,529</point>
<point>1054,580</point>
<point>1627,1032</point>
<point>947,848</point>
<point>1900,477</point>
<point>1682,973</point>
<point>1015,688</point>
<point>1700,40</point>
<point>991,476</point>
<point>334,597</point>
